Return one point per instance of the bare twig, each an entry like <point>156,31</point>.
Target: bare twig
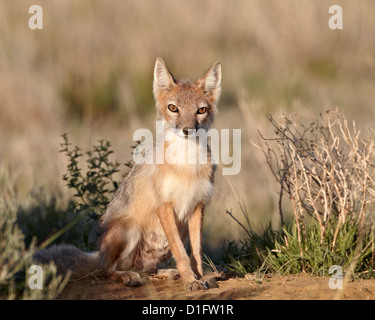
<point>326,169</point>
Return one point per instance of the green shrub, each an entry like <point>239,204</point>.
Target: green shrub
<point>94,186</point>
<point>317,257</point>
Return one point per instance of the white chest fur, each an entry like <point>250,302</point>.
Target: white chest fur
<point>184,186</point>
<point>185,193</point>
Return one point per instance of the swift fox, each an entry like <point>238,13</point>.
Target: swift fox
<point>158,206</point>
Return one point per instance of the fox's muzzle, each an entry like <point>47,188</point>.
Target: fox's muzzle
<point>186,130</point>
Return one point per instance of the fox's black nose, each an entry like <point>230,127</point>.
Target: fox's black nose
<point>185,130</point>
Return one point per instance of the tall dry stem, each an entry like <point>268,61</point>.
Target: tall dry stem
<point>327,170</point>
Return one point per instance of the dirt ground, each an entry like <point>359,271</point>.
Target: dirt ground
<point>295,287</point>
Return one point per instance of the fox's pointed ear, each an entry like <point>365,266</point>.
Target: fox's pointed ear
<point>210,82</point>
<point>163,79</point>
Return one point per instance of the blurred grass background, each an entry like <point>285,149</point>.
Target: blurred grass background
<point>89,73</point>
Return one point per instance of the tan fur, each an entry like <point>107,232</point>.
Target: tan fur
<point>158,206</point>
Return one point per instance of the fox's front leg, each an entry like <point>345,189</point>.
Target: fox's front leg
<point>195,232</point>
<point>168,221</point>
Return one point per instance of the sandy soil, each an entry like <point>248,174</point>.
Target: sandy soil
<point>296,287</point>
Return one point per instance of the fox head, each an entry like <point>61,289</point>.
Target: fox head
<point>185,105</point>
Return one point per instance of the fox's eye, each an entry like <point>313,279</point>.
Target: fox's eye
<point>202,110</point>
<point>172,108</point>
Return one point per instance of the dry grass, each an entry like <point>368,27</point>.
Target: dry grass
<point>326,168</point>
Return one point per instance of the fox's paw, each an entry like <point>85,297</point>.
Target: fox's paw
<point>131,279</point>
<point>198,285</point>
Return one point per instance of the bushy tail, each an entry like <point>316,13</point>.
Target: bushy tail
<point>67,257</point>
